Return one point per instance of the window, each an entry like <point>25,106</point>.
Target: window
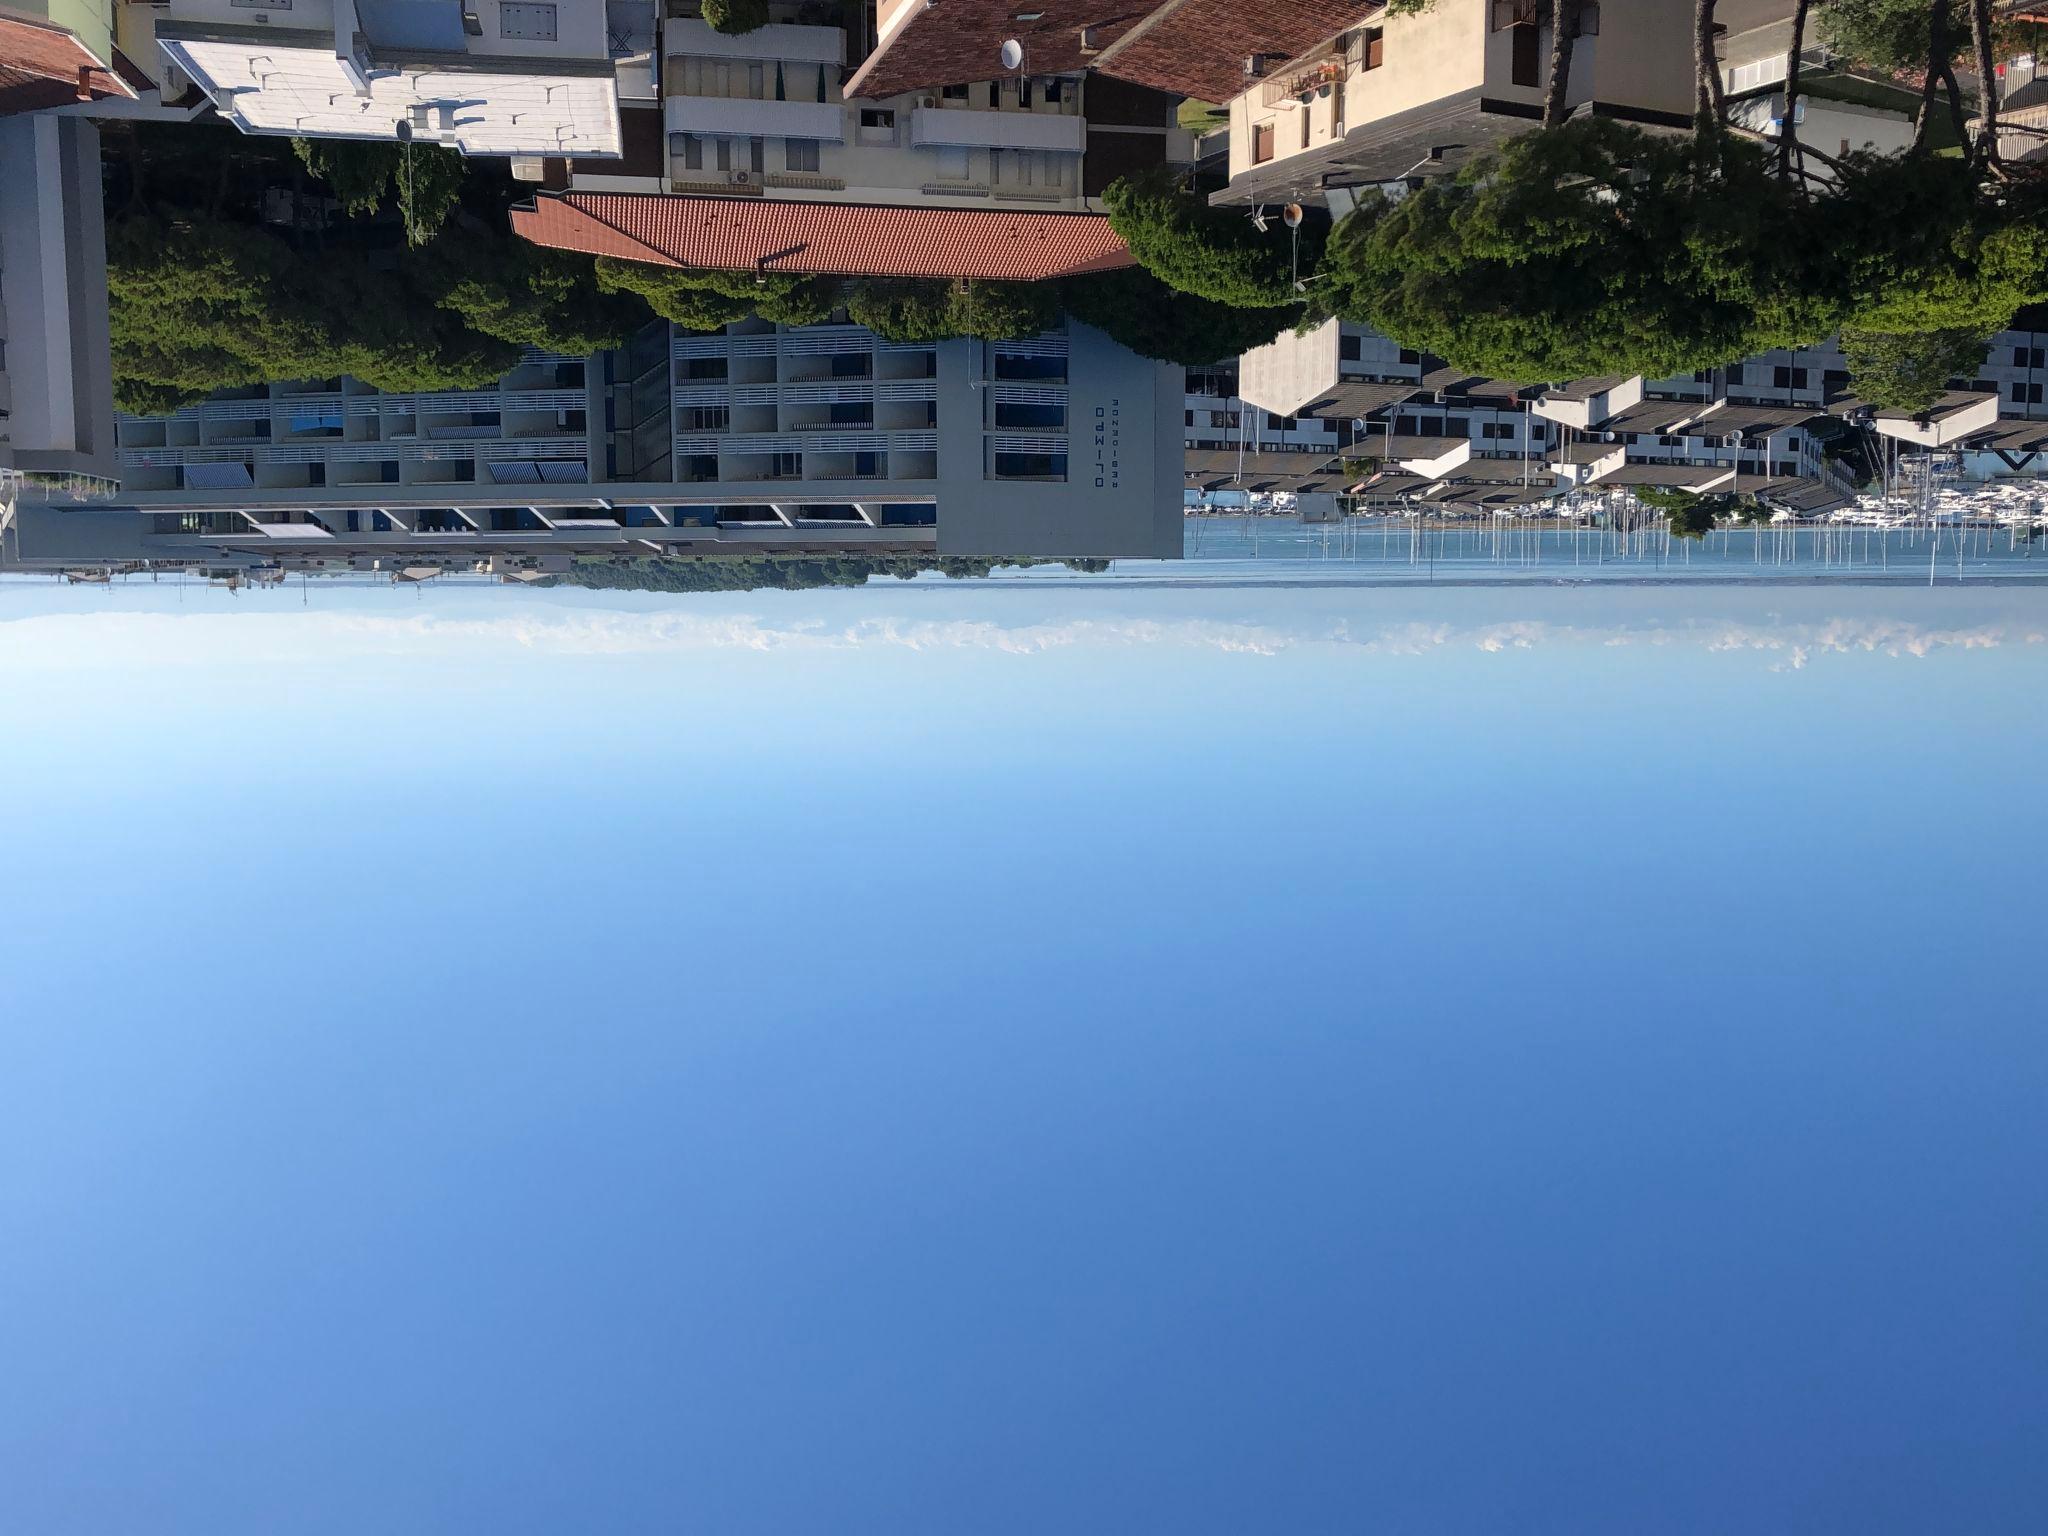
<point>800,155</point>
<point>1788,378</point>
<point>878,117</point>
<point>2027,357</point>
<point>757,155</point>
<point>1262,143</point>
<point>1373,50</point>
<point>355,522</point>
<point>1190,421</point>
<point>1055,90</point>
<point>952,93</point>
<point>693,152</point>
<point>1524,68</point>
<point>704,368</point>
<point>867,466</point>
<point>757,82</point>
<point>786,466</point>
<point>1024,93</point>
<point>707,418</point>
<point>1410,356</point>
<point>2026,394</point>
<point>1350,348</point>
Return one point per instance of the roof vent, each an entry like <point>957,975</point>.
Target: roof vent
<point>1091,39</point>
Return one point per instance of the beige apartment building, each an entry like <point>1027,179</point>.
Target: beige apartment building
<point>1389,97</point>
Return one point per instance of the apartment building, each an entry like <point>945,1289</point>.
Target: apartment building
<point>1345,392</point>
<point>1385,97</point>
<point>526,78</point>
<point>56,381</point>
<point>61,53</point>
<point>757,438</point>
<point>787,111</point>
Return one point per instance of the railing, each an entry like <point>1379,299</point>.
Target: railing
<point>1304,81</point>
<point>802,181</point>
<point>716,186</point>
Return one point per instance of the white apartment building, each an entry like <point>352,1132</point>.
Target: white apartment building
<point>768,113</point>
<point>528,78</point>
<point>757,438</point>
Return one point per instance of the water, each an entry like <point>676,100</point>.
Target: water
<point>1272,550</point>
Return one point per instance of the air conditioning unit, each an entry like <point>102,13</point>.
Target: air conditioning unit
<point>927,101</point>
<point>742,178</point>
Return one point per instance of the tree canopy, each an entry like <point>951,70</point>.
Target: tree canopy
<point>1596,248</point>
<point>1153,320</point>
<point>736,17</point>
<point>932,309</point>
<point>705,299</point>
<point>1214,253</point>
<point>363,173</point>
<point>1909,372</point>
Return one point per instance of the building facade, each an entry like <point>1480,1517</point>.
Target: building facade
<point>759,438</point>
<point>527,78</point>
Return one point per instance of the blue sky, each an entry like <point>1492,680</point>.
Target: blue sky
<point>1008,1061</point>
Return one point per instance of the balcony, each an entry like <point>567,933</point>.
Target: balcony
<point>966,128</point>
<point>797,45</point>
<point>739,117</point>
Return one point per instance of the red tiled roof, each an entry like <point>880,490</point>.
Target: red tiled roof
<point>845,239</point>
<point>40,64</point>
<point>1198,47</point>
<point>954,41</point>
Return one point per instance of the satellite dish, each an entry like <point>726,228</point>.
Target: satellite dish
<point>1291,215</point>
<point>1012,54</point>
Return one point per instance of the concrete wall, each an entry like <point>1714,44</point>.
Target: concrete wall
<point>1290,370</point>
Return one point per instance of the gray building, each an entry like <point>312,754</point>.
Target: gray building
<point>56,386</point>
<point>759,439</point>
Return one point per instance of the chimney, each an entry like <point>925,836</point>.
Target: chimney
<point>85,91</point>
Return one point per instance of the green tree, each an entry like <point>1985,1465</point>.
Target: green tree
<point>736,16</point>
<point>1212,252</point>
<point>706,299</point>
<point>1687,514</point>
<point>358,172</point>
<point>1588,249</point>
<point>1909,372</point>
<point>429,182</point>
<point>525,293</point>
<point>197,306</point>
<point>1153,320</point>
<point>1891,35</point>
<point>935,309</point>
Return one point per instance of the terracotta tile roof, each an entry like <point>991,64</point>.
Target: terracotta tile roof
<point>40,64</point>
<point>952,42</point>
<point>846,239</point>
<point>1198,47</point>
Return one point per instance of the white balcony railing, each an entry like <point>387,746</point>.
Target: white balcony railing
<point>970,128</point>
<point>794,45</point>
<point>733,116</point>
